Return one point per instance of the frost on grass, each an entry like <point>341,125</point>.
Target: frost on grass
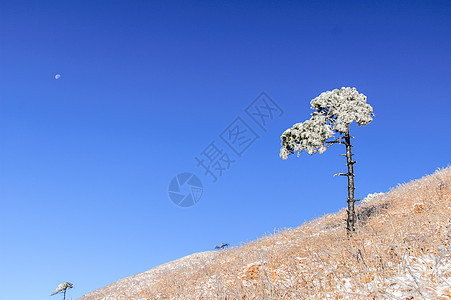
<point>401,252</point>
<point>371,197</point>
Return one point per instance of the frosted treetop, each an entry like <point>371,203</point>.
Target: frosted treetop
<point>334,111</point>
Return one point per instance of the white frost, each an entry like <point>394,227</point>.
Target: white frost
<point>335,110</point>
<point>370,197</point>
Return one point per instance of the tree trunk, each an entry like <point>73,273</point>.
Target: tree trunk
<point>350,221</point>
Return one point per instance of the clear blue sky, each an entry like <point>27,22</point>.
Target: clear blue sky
<point>145,86</point>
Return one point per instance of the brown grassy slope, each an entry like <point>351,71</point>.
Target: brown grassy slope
<point>401,250</point>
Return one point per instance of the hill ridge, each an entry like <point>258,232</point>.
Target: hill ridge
<point>401,250</point>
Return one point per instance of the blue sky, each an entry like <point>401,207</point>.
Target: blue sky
<point>146,86</point>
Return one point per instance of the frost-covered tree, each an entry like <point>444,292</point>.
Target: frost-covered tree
<point>62,287</point>
<point>334,112</point>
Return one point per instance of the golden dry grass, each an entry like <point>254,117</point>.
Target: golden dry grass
<point>401,250</point>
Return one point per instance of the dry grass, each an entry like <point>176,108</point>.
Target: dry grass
<point>401,250</point>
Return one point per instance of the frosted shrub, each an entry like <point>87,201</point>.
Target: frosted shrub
<point>370,197</point>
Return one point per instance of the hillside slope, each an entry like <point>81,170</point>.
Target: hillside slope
<point>401,250</point>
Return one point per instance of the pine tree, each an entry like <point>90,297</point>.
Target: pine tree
<point>62,287</point>
<point>334,112</point>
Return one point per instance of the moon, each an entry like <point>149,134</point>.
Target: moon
<point>57,76</point>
